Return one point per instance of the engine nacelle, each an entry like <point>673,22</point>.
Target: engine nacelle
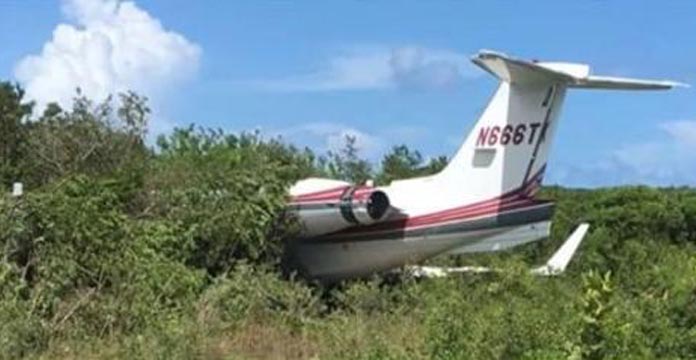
<point>325,206</point>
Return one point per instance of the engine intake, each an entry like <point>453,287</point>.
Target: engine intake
<point>364,210</point>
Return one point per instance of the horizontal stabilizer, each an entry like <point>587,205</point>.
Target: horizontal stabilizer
<point>608,82</point>
<point>516,71</point>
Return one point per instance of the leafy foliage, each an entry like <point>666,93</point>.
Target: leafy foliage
<point>403,163</point>
<point>13,111</point>
<point>224,192</point>
<point>346,164</point>
<point>91,139</point>
<point>118,250</point>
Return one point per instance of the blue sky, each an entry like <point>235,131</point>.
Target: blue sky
<point>389,72</point>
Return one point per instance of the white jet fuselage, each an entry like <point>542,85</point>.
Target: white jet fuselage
<point>482,201</point>
<point>417,227</point>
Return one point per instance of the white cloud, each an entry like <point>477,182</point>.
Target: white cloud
<point>327,136</point>
<point>371,144</point>
<point>106,46</point>
<point>375,68</point>
<point>670,161</point>
<point>683,132</point>
<point>667,161</point>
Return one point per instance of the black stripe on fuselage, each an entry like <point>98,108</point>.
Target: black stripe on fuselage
<point>531,214</point>
<point>314,206</point>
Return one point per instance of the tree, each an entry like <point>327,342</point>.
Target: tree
<point>401,163</point>
<point>92,139</point>
<point>13,113</point>
<point>346,164</point>
<point>404,163</point>
<point>226,193</point>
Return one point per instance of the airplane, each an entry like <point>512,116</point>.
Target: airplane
<point>482,201</point>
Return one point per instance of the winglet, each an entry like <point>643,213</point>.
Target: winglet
<point>560,259</point>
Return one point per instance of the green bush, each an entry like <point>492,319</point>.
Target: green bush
<point>247,293</point>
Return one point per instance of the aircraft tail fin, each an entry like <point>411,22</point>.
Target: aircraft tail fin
<point>508,147</point>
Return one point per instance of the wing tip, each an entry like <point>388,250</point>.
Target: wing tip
<point>559,261</point>
<point>676,84</point>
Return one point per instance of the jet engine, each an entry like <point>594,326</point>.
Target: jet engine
<point>325,206</point>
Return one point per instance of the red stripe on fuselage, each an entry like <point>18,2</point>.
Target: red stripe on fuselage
<point>446,216</point>
<point>517,198</point>
<point>403,228</point>
<point>519,193</point>
<point>332,195</point>
<point>321,195</point>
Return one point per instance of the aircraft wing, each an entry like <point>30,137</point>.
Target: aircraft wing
<point>556,265</point>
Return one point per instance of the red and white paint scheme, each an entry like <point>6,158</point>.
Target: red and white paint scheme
<point>482,201</point>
